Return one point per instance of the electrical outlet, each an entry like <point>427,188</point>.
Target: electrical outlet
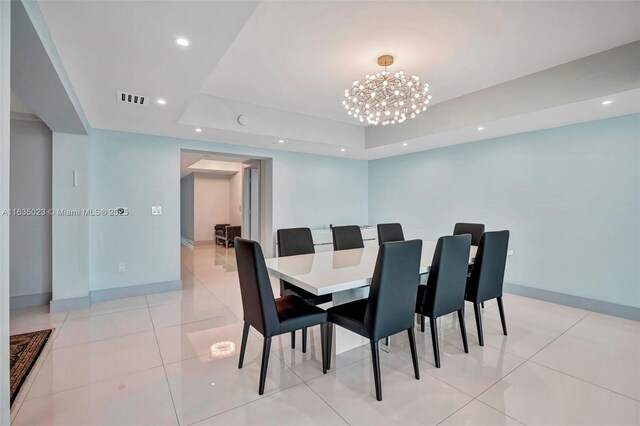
<point>122,267</point>
<point>156,210</point>
<point>510,252</point>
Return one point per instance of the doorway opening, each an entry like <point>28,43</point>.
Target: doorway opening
<point>30,241</point>
<point>222,196</point>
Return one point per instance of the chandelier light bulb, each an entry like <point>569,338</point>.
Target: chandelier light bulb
<point>385,97</point>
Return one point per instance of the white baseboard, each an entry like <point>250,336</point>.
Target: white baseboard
<point>74,303</point>
<point>29,300</point>
<point>608,308</point>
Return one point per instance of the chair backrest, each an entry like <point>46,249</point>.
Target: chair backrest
<point>347,237</point>
<point>475,229</point>
<point>448,276</point>
<point>394,287</point>
<point>389,232</point>
<point>487,274</point>
<point>258,303</point>
<point>294,241</point>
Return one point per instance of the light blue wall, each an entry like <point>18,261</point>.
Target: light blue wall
<point>139,171</point>
<point>70,234</point>
<point>570,197</point>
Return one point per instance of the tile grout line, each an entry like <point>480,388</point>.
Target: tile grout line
<point>524,363</point>
<point>106,338</point>
<point>98,381</point>
<point>260,398</point>
<point>216,297</point>
<point>166,377</point>
<point>445,419</point>
<point>99,314</point>
<point>98,341</point>
<point>585,381</point>
<point>326,403</point>
<point>441,340</point>
<point>505,414</point>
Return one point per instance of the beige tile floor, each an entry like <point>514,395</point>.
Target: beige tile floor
<point>147,361</point>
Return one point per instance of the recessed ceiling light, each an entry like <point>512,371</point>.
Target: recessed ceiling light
<point>161,102</point>
<point>280,140</point>
<point>342,149</point>
<point>198,129</point>
<point>182,42</point>
<point>405,144</point>
<point>607,102</point>
<point>480,129</point>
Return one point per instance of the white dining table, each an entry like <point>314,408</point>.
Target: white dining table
<point>346,274</point>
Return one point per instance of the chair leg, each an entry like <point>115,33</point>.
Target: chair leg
<point>266,348</point>
<point>323,342</point>
<point>476,310</point>
<point>329,343</point>
<point>463,330</point>
<point>434,339</point>
<point>375,358</point>
<point>414,353</point>
<point>502,318</point>
<point>293,340</point>
<point>422,323</point>
<point>243,345</point>
<point>304,340</point>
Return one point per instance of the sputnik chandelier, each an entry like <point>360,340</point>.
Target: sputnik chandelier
<point>385,98</point>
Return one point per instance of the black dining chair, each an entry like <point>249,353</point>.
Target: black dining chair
<point>389,232</point>
<point>389,308</point>
<point>487,276</point>
<point>445,289</point>
<point>347,237</point>
<point>473,229</point>
<point>271,317</point>
<point>292,242</point>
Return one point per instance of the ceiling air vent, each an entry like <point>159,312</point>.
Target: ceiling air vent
<point>132,98</point>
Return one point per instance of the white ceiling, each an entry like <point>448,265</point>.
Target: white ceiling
<point>298,57</point>
<point>210,163</point>
<point>130,45</point>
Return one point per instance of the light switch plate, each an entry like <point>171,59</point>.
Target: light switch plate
<point>122,267</point>
<point>156,210</point>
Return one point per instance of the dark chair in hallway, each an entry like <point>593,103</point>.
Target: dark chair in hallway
<point>347,237</point>
<point>445,289</point>
<point>271,317</point>
<point>487,276</point>
<point>389,232</point>
<point>292,242</point>
<point>389,308</point>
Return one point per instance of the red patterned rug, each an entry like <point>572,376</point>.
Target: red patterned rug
<point>25,349</point>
